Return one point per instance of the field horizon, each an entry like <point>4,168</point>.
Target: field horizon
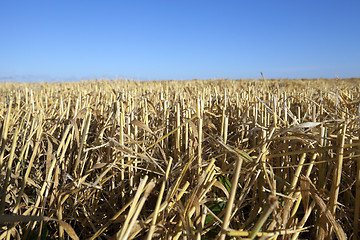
<point>75,80</point>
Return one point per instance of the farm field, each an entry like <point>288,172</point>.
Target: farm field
<point>225,159</point>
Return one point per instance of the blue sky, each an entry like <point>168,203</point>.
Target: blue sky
<point>184,39</point>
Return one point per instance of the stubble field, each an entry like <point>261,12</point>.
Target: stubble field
<point>226,159</point>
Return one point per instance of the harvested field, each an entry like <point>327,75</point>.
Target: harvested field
<point>226,159</point>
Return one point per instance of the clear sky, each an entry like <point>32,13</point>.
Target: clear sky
<point>185,39</point>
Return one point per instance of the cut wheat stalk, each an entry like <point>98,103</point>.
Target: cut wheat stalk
<point>139,207</point>
<point>230,202</point>
<point>158,203</point>
<point>335,187</point>
<point>8,172</point>
<point>5,129</point>
<point>357,197</point>
<point>325,210</point>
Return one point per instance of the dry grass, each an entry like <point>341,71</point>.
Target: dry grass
<point>208,159</point>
